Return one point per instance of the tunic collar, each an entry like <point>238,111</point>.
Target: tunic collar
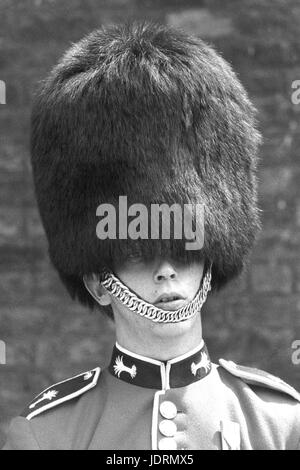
<point>161,375</point>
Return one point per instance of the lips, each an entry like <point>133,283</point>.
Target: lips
<point>168,297</point>
<point>170,301</point>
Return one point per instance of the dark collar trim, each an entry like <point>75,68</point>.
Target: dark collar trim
<point>151,373</point>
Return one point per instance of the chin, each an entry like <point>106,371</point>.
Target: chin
<point>172,329</point>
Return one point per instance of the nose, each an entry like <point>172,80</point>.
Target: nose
<point>165,271</point>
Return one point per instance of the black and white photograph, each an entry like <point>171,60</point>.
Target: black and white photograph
<point>149,227</point>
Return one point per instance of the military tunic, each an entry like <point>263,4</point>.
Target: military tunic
<point>186,403</point>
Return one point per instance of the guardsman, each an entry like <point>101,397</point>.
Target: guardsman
<point>147,112</point>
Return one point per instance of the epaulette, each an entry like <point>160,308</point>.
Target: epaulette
<point>259,377</point>
<point>61,392</point>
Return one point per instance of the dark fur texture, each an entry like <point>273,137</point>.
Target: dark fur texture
<point>146,111</point>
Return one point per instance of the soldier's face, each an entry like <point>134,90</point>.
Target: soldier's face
<point>169,285</point>
<point>166,283</point>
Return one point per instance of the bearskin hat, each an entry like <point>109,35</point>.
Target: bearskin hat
<point>146,111</point>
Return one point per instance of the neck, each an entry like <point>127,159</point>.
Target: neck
<point>159,341</point>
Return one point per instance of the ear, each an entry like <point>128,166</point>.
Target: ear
<point>100,294</point>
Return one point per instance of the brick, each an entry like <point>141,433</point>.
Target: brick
<point>274,181</point>
<point>20,352</point>
<point>23,322</point>
<point>281,146</point>
<point>49,290</point>
<point>13,190</point>
<point>12,155</point>
<point>200,21</point>
<point>298,212</point>
<point>267,81</point>
<point>223,313</point>
<point>11,223</point>
<point>3,431</point>
<point>279,214</point>
<point>78,350</point>
<point>20,85</point>
<point>274,110</point>
<point>15,286</point>
<point>272,278</point>
<point>297,276</point>
<point>48,283</point>
<point>34,225</point>
<point>83,349</point>
<point>280,246</point>
<point>261,309</point>
<point>269,311</point>
<point>11,390</point>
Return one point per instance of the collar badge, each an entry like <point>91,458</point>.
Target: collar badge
<point>119,367</point>
<point>204,362</point>
<point>46,396</point>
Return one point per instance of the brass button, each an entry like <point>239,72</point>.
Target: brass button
<point>167,443</point>
<point>167,428</point>
<point>168,409</point>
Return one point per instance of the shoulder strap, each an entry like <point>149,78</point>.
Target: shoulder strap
<point>259,377</point>
<point>61,392</point>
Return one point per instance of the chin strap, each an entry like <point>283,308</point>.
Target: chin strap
<point>130,300</point>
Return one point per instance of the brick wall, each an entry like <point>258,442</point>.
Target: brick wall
<point>256,319</point>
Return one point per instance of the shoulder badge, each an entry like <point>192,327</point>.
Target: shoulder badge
<point>62,392</point>
<point>259,377</point>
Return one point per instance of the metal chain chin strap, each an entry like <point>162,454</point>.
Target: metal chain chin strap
<point>119,290</point>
